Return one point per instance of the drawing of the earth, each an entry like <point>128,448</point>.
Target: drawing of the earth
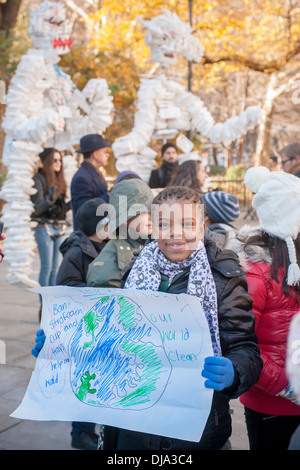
<point>117,356</point>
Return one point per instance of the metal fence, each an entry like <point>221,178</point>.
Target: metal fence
<point>236,187</point>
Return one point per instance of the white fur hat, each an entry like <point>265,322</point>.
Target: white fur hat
<point>277,203</point>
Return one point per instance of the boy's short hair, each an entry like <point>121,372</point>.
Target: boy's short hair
<point>182,193</point>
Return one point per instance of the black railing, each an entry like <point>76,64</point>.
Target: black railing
<point>236,187</point>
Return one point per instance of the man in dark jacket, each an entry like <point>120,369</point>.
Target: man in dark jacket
<point>161,177</point>
<point>79,250</point>
<point>88,182</point>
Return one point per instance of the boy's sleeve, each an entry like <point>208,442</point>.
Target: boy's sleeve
<point>70,272</point>
<point>238,337</point>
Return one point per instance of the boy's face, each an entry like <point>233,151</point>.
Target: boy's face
<point>178,226</point>
<point>141,225</point>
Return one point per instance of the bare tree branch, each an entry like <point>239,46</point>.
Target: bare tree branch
<point>267,68</point>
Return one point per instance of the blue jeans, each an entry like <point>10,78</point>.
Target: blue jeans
<point>50,256</point>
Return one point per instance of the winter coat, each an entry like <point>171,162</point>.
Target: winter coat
<point>238,343</point>
<point>86,184</point>
<point>105,270</point>
<point>78,252</point>
<point>219,233</point>
<point>45,208</point>
<point>273,312</point>
<point>162,176</point>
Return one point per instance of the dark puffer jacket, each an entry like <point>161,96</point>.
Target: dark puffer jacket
<point>78,252</point>
<point>238,342</point>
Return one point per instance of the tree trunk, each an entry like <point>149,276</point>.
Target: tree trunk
<point>240,150</point>
<point>9,13</point>
<point>214,151</point>
<point>262,151</point>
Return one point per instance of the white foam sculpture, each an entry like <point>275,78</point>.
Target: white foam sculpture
<point>165,107</point>
<point>44,108</point>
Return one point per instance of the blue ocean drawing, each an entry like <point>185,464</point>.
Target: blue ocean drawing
<point>117,356</point>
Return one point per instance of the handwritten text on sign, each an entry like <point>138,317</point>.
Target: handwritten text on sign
<point>116,356</point>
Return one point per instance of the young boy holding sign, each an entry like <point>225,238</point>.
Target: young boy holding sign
<point>177,261</point>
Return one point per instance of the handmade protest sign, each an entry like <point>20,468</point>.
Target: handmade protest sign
<point>125,358</point>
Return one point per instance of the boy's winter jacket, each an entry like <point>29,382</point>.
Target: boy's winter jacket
<point>78,252</point>
<point>238,342</point>
<point>105,270</point>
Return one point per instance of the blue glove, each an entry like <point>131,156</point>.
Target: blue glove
<point>39,342</point>
<point>219,371</point>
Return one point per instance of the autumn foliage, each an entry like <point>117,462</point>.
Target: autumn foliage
<point>257,36</point>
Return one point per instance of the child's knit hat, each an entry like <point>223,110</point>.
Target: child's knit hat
<point>221,208</point>
<point>87,215</point>
<point>277,203</point>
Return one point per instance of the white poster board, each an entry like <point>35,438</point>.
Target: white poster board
<point>125,358</point>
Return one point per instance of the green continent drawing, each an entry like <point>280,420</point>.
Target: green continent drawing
<point>85,386</point>
<point>149,376</point>
<point>117,356</point>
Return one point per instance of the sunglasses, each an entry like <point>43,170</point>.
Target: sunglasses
<point>283,162</point>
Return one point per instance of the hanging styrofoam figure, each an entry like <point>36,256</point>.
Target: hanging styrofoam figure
<point>43,109</point>
<point>165,108</point>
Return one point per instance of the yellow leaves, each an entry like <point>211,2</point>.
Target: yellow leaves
<point>250,32</point>
<point>263,32</point>
<point>257,34</point>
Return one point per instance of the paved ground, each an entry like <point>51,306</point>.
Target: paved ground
<point>18,324</point>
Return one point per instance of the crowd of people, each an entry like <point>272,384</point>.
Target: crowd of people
<point>248,281</point>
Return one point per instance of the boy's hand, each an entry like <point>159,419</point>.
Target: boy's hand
<point>39,343</point>
<point>219,371</point>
